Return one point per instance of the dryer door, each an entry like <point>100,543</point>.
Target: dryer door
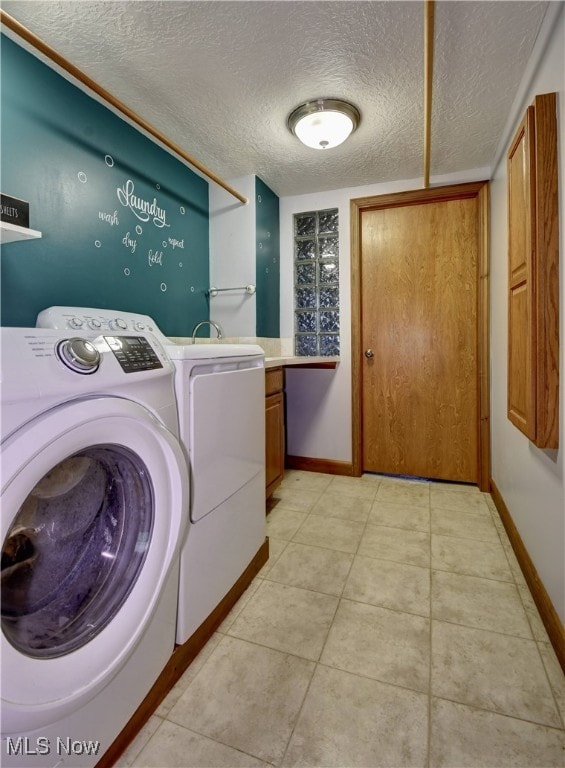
<point>227,431</point>
<point>92,517</point>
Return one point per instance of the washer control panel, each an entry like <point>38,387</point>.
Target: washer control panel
<point>133,353</point>
<point>102,320</point>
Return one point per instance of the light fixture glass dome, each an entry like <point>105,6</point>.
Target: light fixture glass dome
<point>324,123</point>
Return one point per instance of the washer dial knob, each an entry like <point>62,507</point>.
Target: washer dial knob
<point>76,322</point>
<point>79,355</point>
<point>94,324</point>
<point>118,324</point>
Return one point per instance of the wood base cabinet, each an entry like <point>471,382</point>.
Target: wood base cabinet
<point>274,429</point>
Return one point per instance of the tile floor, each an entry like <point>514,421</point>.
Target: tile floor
<point>391,627</point>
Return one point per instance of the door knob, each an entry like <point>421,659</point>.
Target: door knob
<point>369,353</point>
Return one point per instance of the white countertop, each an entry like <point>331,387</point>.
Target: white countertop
<point>275,362</point>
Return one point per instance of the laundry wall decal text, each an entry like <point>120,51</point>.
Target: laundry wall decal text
<point>143,209</point>
<point>143,236</point>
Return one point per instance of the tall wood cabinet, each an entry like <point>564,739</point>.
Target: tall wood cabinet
<point>274,428</point>
<point>533,275</point>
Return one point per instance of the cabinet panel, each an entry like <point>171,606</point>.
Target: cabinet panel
<point>273,380</point>
<point>521,210</point>
<point>520,391</point>
<point>274,443</point>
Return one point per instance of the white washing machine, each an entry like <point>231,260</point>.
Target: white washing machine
<point>94,490</point>
<point>221,400</point>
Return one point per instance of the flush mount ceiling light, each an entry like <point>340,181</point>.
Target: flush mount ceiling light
<point>324,123</point>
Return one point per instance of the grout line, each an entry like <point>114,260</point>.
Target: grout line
<point>379,680</point>
<point>558,729</point>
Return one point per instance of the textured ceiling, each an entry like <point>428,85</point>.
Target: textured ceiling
<point>220,78</point>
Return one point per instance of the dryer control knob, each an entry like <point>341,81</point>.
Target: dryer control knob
<point>79,355</point>
<point>118,324</point>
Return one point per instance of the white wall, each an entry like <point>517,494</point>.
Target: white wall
<point>530,480</point>
<point>319,423</point>
<point>232,257</point>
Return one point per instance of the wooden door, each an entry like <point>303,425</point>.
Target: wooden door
<point>419,278</point>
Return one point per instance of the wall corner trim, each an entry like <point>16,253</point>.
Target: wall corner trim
<point>547,611</point>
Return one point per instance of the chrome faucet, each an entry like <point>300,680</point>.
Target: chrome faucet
<point>206,322</point>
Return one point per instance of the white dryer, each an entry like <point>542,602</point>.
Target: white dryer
<point>220,392</point>
<point>94,493</point>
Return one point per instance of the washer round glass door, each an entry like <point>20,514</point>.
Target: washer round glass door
<point>94,501</point>
<point>75,550</point>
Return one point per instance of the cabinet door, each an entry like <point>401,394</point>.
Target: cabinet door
<point>521,253</point>
<point>274,444</point>
<point>533,275</point>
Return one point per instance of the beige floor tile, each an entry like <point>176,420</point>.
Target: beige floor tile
<point>490,502</point>
<point>128,759</point>
<point>177,747</point>
<point>491,671</point>
<point>497,520</point>
<point>283,523</point>
<point>555,675</point>
<point>441,487</point>
<point>177,690</point>
<point>247,697</point>
<point>470,557</point>
<point>298,480</point>
<point>287,619</point>
<point>499,525</point>
<point>404,492</point>
<point>330,532</point>
<point>538,628</point>
<point>239,606</point>
<point>449,522</point>
<point>345,506</point>
<point>322,570</point>
<point>291,497</point>
<point>385,645</point>
<point>464,737</point>
<point>390,585</point>
<point>400,516</point>
<point>355,486</point>
<point>513,563</point>
<point>482,603</point>
<point>371,477</point>
<point>402,546</point>
<point>499,687</point>
<point>458,502</point>
<point>355,722</point>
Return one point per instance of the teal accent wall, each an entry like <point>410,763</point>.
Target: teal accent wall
<point>124,223</point>
<point>267,249</point>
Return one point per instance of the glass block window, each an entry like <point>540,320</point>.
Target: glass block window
<point>316,283</point>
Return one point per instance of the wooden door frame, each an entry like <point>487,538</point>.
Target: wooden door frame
<point>358,206</point>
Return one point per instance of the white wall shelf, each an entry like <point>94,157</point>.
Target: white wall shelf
<point>11,233</point>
